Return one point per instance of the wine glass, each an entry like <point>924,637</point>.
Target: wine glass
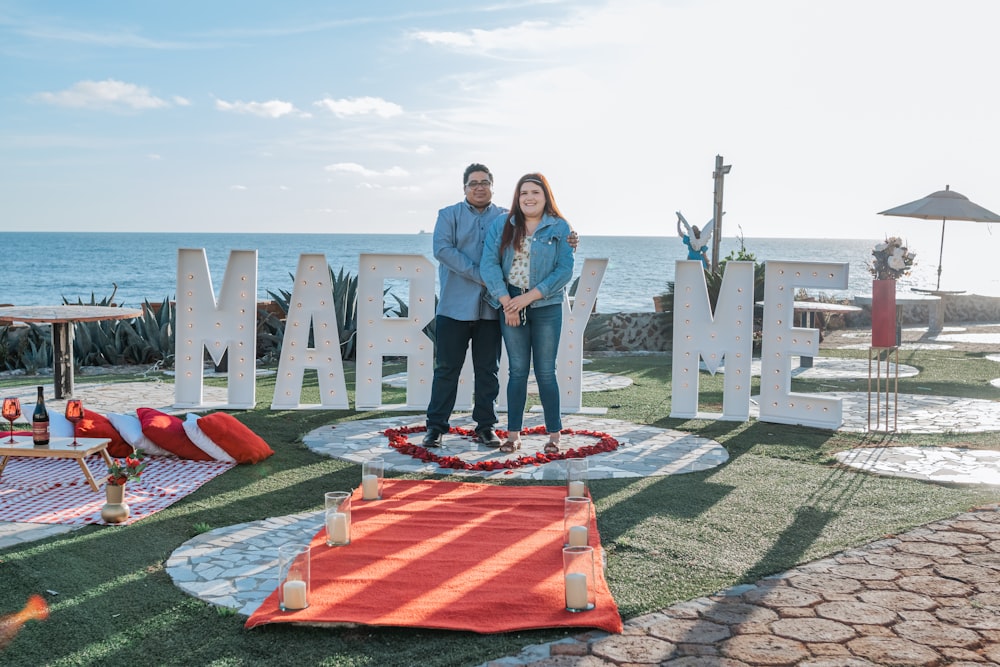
<point>74,413</point>
<point>11,411</point>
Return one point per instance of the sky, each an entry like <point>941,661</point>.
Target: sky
<point>317,116</point>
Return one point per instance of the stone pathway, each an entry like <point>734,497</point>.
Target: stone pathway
<point>952,465</point>
<point>833,368</point>
<point>918,414</point>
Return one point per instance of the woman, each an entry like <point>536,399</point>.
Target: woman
<point>526,265</point>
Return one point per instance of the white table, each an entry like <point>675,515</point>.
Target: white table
<point>932,301</point>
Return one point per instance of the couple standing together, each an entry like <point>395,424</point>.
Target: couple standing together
<point>502,275</point>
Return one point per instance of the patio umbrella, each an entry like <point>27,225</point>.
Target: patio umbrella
<point>947,205</point>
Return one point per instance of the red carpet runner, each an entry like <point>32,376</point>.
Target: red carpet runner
<point>448,555</point>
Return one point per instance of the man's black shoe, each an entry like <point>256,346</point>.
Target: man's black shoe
<point>488,436</point>
<point>433,438</point>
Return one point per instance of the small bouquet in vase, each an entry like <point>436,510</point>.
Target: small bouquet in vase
<point>120,472</point>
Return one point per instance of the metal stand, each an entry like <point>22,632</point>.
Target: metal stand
<point>882,355</point>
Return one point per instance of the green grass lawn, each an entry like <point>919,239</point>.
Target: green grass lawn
<point>779,501</point>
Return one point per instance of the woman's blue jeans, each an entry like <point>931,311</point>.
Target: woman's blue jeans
<point>536,341</point>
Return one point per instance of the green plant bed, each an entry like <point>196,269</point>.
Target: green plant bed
<point>779,501</point>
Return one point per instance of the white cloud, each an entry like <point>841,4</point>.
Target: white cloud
<point>154,156</point>
<point>269,109</point>
<point>361,106</point>
<point>107,94</point>
<point>237,187</point>
<point>355,168</point>
<point>516,37</point>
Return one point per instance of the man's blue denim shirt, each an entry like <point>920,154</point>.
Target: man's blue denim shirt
<point>458,247</point>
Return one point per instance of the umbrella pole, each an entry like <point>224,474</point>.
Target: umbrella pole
<point>941,253</point>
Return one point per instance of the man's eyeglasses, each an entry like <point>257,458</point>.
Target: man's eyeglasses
<point>472,185</point>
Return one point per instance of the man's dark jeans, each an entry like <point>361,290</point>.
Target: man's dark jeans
<point>452,338</point>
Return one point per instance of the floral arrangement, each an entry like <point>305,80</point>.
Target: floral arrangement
<point>399,442</point>
<point>892,259</point>
<point>120,472</point>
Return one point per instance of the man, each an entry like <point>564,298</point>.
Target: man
<point>463,316</point>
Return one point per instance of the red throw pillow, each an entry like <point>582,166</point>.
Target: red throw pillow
<point>95,425</point>
<point>233,436</point>
<point>167,431</point>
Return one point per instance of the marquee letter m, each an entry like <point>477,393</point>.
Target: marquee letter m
<point>229,325</point>
<point>697,334</point>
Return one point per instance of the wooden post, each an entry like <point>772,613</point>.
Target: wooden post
<point>719,175</point>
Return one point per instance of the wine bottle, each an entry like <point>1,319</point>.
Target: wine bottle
<point>40,421</point>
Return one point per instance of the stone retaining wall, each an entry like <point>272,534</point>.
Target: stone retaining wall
<point>653,332</point>
<point>956,307</point>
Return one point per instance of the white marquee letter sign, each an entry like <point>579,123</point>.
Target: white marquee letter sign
<point>311,309</point>
<point>380,336</point>
<point>230,324</point>
<point>781,341</point>
<point>569,361</point>
<point>697,334</point>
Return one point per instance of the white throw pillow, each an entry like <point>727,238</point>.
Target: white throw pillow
<point>59,426</point>
<point>204,443</point>
<point>130,428</point>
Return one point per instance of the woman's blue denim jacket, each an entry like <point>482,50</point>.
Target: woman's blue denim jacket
<point>551,265</point>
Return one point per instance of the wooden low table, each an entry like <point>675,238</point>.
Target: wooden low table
<point>58,448</point>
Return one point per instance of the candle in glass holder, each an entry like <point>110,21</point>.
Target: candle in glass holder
<point>576,590</point>
<point>369,487</point>
<point>577,536</point>
<point>336,528</point>
<point>577,488</point>
<point>293,576</point>
<point>372,472</point>
<point>338,518</point>
<point>295,594</point>
<point>579,577</point>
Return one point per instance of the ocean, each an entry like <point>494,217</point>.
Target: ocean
<point>41,268</point>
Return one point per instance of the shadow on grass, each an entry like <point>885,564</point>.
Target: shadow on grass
<point>793,543</point>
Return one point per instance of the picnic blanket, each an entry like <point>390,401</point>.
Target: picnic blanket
<point>446,555</point>
<point>41,490</point>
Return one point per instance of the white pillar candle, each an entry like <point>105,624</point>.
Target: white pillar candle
<point>576,591</point>
<point>577,536</point>
<point>369,487</point>
<point>295,594</point>
<point>577,489</point>
<point>336,527</point>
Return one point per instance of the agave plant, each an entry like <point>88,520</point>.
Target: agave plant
<point>151,337</point>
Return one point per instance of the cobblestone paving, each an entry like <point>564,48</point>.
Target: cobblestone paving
<point>928,597</point>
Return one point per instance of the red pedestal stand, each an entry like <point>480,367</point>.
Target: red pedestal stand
<point>884,313</point>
